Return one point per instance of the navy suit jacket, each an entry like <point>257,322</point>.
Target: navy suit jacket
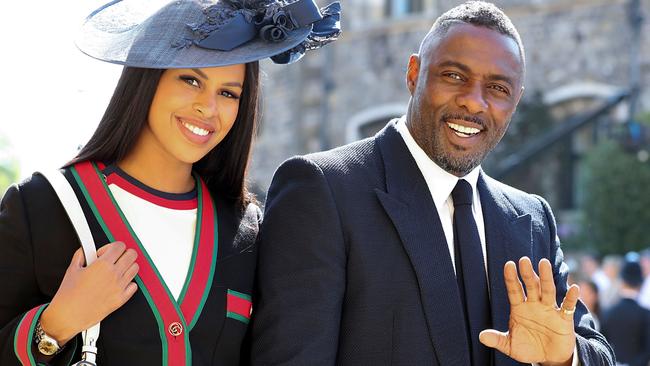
<point>627,326</point>
<point>354,267</point>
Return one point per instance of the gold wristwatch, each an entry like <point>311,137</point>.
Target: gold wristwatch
<point>46,345</point>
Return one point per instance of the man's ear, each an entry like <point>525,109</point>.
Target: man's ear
<point>412,72</point>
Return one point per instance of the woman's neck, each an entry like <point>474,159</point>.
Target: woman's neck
<point>158,170</point>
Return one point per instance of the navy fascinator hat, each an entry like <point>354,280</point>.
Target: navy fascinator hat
<point>163,34</point>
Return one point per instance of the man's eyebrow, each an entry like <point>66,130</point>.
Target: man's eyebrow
<point>499,77</point>
<point>456,64</point>
<point>466,69</point>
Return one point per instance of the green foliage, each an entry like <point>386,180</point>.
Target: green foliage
<point>617,200</point>
<point>644,118</point>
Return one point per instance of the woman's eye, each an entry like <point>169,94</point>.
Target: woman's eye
<point>228,94</point>
<point>191,80</point>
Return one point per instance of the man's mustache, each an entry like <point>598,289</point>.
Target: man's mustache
<point>465,117</point>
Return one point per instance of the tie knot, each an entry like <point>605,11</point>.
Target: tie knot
<point>462,193</point>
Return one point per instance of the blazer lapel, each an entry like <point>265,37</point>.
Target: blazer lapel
<point>508,236</point>
<point>408,203</point>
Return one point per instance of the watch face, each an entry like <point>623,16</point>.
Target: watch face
<point>84,363</point>
<point>47,347</point>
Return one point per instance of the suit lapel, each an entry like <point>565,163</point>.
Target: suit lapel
<point>408,203</point>
<point>508,236</point>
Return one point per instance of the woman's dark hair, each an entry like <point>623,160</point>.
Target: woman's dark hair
<point>223,169</point>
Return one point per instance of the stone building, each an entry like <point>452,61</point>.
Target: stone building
<point>578,53</point>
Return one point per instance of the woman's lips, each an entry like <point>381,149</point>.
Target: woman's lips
<point>195,131</point>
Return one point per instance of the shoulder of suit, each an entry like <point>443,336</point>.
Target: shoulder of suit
<point>356,155</point>
<point>522,201</point>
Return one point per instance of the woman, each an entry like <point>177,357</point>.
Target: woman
<point>162,186</point>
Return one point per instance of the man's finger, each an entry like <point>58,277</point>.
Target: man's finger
<point>531,280</point>
<point>569,302</point>
<point>495,339</point>
<point>546,282</point>
<point>513,285</point>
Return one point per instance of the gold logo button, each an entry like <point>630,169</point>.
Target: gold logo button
<point>175,329</point>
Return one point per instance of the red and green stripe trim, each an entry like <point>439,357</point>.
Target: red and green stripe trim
<point>24,336</point>
<point>118,180</point>
<point>176,349</point>
<point>238,306</point>
<point>204,258</point>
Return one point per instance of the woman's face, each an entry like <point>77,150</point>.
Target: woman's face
<point>193,110</point>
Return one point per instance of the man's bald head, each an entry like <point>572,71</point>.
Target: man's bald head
<point>478,13</point>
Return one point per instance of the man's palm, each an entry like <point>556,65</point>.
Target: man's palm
<point>538,331</point>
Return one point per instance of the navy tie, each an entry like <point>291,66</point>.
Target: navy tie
<point>470,273</point>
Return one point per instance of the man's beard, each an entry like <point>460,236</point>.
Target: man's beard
<point>456,165</point>
<point>462,164</point>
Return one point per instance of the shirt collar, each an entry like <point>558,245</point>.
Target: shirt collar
<point>439,181</point>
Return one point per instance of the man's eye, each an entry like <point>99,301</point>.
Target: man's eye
<point>500,89</point>
<point>453,75</point>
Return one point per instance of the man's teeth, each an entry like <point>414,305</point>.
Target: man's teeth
<point>468,131</point>
<point>196,130</point>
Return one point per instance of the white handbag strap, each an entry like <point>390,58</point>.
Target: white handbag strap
<point>76,215</point>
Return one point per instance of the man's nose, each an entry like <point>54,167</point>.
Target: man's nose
<point>472,99</point>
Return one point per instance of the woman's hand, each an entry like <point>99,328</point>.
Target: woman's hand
<point>88,294</point>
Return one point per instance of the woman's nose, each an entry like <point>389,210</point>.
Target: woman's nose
<point>206,106</point>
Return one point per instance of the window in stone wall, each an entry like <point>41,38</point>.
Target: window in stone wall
<point>372,127</point>
<point>400,8</point>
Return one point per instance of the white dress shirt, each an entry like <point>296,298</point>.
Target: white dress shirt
<point>440,184</point>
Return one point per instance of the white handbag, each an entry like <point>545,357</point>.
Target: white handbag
<point>75,214</point>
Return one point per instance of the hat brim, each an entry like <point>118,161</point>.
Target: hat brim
<point>130,33</point>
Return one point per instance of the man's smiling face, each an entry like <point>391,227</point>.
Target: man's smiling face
<point>465,86</point>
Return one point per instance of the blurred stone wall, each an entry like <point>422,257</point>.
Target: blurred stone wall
<point>574,49</point>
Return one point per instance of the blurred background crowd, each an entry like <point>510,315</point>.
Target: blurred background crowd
<point>616,289</point>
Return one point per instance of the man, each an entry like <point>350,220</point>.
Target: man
<point>627,325</point>
<point>644,294</point>
<point>375,253</point>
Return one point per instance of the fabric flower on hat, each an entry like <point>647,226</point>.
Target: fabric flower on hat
<point>280,24</point>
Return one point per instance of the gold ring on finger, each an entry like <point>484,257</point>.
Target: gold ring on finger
<point>569,312</point>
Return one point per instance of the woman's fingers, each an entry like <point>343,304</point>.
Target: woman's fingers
<point>78,259</point>
<point>125,261</point>
<point>130,274</point>
<point>111,252</point>
<point>129,292</point>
